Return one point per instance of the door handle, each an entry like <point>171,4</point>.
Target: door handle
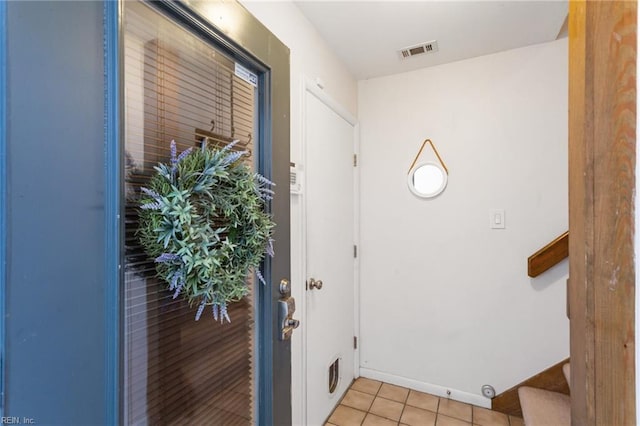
<point>286,308</point>
<point>313,283</point>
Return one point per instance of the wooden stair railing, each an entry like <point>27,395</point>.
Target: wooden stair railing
<point>549,256</point>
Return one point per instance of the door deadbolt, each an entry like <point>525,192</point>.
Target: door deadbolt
<point>313,283</point>
<point>285,287</point>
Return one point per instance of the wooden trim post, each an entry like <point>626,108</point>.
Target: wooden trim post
<point>602,140</point>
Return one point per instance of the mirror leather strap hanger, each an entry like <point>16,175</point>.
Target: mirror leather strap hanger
<point>434,150</point>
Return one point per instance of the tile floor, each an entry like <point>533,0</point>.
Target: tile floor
<point>372,403</point>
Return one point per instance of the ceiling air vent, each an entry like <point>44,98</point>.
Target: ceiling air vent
<point>419,49</point>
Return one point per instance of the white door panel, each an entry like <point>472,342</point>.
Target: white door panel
<point>330,237</point>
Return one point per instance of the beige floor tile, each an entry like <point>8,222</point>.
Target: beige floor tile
<point>456,409</point>
<point>373,420</point>
<point>423,400</point>
<point>386,408</point>
<point>347,416</point>
<point>516,421</point>
<point>450,421</point>
<point>366,385</point>
<point>385,405</point>
<point>394,393</point>
<point>484,417</point>
<point>358,400</point>
<point>418,417</point>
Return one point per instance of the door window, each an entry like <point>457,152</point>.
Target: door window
<point>178,370</point>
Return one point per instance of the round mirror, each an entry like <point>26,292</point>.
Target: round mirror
<point>427,180</point>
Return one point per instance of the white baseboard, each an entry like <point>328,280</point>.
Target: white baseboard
<point>457,395</point>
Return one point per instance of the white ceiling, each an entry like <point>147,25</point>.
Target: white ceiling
<point>367,35</point>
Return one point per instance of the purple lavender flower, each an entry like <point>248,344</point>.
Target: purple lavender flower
<point>263,180</point>
<point>260,277</point>
<point>151,206</point>
<point>214,308</point>
<point>223,313</point>
<point>178,289</point>
<point>229,146</point>
<point>183,154</point>
<point>151,193</point>
<point>174,281</point>
<point>233,157</point>
<point>167,257</point>
<point>174,152</point>
<point>201,309</point>
<point>269,249</point>
<point>266,193</point>
<point>175,160</point>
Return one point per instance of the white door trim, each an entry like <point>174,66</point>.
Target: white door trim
<point>312,88</point>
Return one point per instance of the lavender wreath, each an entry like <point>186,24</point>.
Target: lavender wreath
<point>203,219</point>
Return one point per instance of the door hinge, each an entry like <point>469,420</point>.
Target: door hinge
<point>355,160</point>
<point>355,342</point>
<point>355,251</point>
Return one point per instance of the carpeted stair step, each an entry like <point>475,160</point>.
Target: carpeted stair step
<point>566,369</point>
<point>544,408</point>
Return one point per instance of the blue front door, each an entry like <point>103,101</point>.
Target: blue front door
<point>64,334</point>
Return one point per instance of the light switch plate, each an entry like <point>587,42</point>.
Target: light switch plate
<point>496,219</point>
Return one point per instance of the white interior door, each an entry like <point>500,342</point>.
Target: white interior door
<point>329,143</point>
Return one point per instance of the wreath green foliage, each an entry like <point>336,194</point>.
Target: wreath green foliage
<point>203,220</point>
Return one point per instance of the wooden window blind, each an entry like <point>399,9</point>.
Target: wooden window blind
<point>179,371</point>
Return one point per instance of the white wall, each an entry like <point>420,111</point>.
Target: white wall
<point>446,302</point>
<point>310,58</point>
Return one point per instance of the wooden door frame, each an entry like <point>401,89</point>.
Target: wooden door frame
<point>602,156</point>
